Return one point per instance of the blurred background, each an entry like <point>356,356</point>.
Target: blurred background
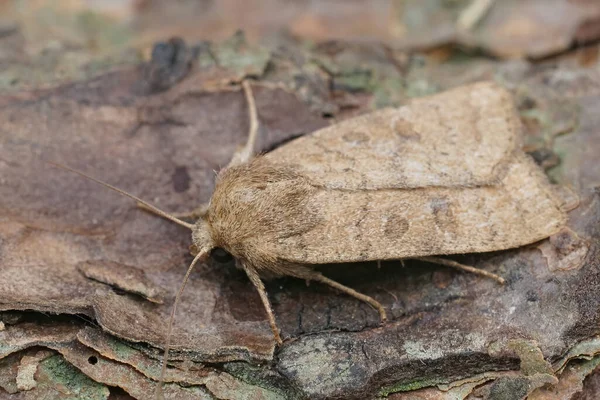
<point>43,40</point>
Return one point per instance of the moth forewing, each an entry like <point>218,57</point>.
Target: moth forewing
<point>442,175</point>
<point>387,224</point>
<point>458,138</point>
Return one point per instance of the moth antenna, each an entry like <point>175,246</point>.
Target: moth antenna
<point>253,114</point>
<point>124,193</point>
<point>244,154</point>
<point>163,369</point>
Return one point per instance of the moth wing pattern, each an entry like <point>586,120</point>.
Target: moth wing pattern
<point>399,223</point>
<point>461,137</point>
<point>462,185</point>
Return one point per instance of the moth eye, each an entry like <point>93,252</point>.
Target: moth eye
<point>193,249</point>
<point>221,256</point>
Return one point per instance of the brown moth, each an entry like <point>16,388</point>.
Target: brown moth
<point>442,175</point>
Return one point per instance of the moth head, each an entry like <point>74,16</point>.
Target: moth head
<point>201,237</point>
<point>203,243</point>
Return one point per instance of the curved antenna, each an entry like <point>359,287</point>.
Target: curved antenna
<point>124,193</point>
<point>163,369</point>
<point>244,154</point>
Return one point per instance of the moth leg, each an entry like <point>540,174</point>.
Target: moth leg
<point>255,279</point>
<point>244,154</point>
<point>318,277</point>
<point>454,264</point>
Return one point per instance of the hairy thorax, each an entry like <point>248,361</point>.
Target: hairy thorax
<point>256,205</point>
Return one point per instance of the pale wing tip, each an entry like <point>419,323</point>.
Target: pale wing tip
<point>488,86</point>
<point>486,93</point>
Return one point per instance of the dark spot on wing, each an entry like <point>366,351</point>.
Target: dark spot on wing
<point>442,212</point>
<point>405,130</point>
<point>356,137</point>
<point>395,226</point>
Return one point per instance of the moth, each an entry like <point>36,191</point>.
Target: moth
<point>441,175</point>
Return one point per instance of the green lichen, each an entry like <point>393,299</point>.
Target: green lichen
<point>566,151</point>
<point>587,349</point>
<point>363,69</point>
<point>543,120</point>
<point>556,173</point>
<point>420,88</point>
<point>388,92</point>
<point>55,23</point>
<point>205,59</point>
<point>122,350</point>
<point>265,378</point>
<point>101,32</point>
<point>532,359</point>
<point>357,80</point>
<point>238,55</point>
<point>409,386</point>
<point>126,353</point>
<point>387,89</point>
<point>64,46</point>
<point>73,385</point>
<point>509,388</point>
